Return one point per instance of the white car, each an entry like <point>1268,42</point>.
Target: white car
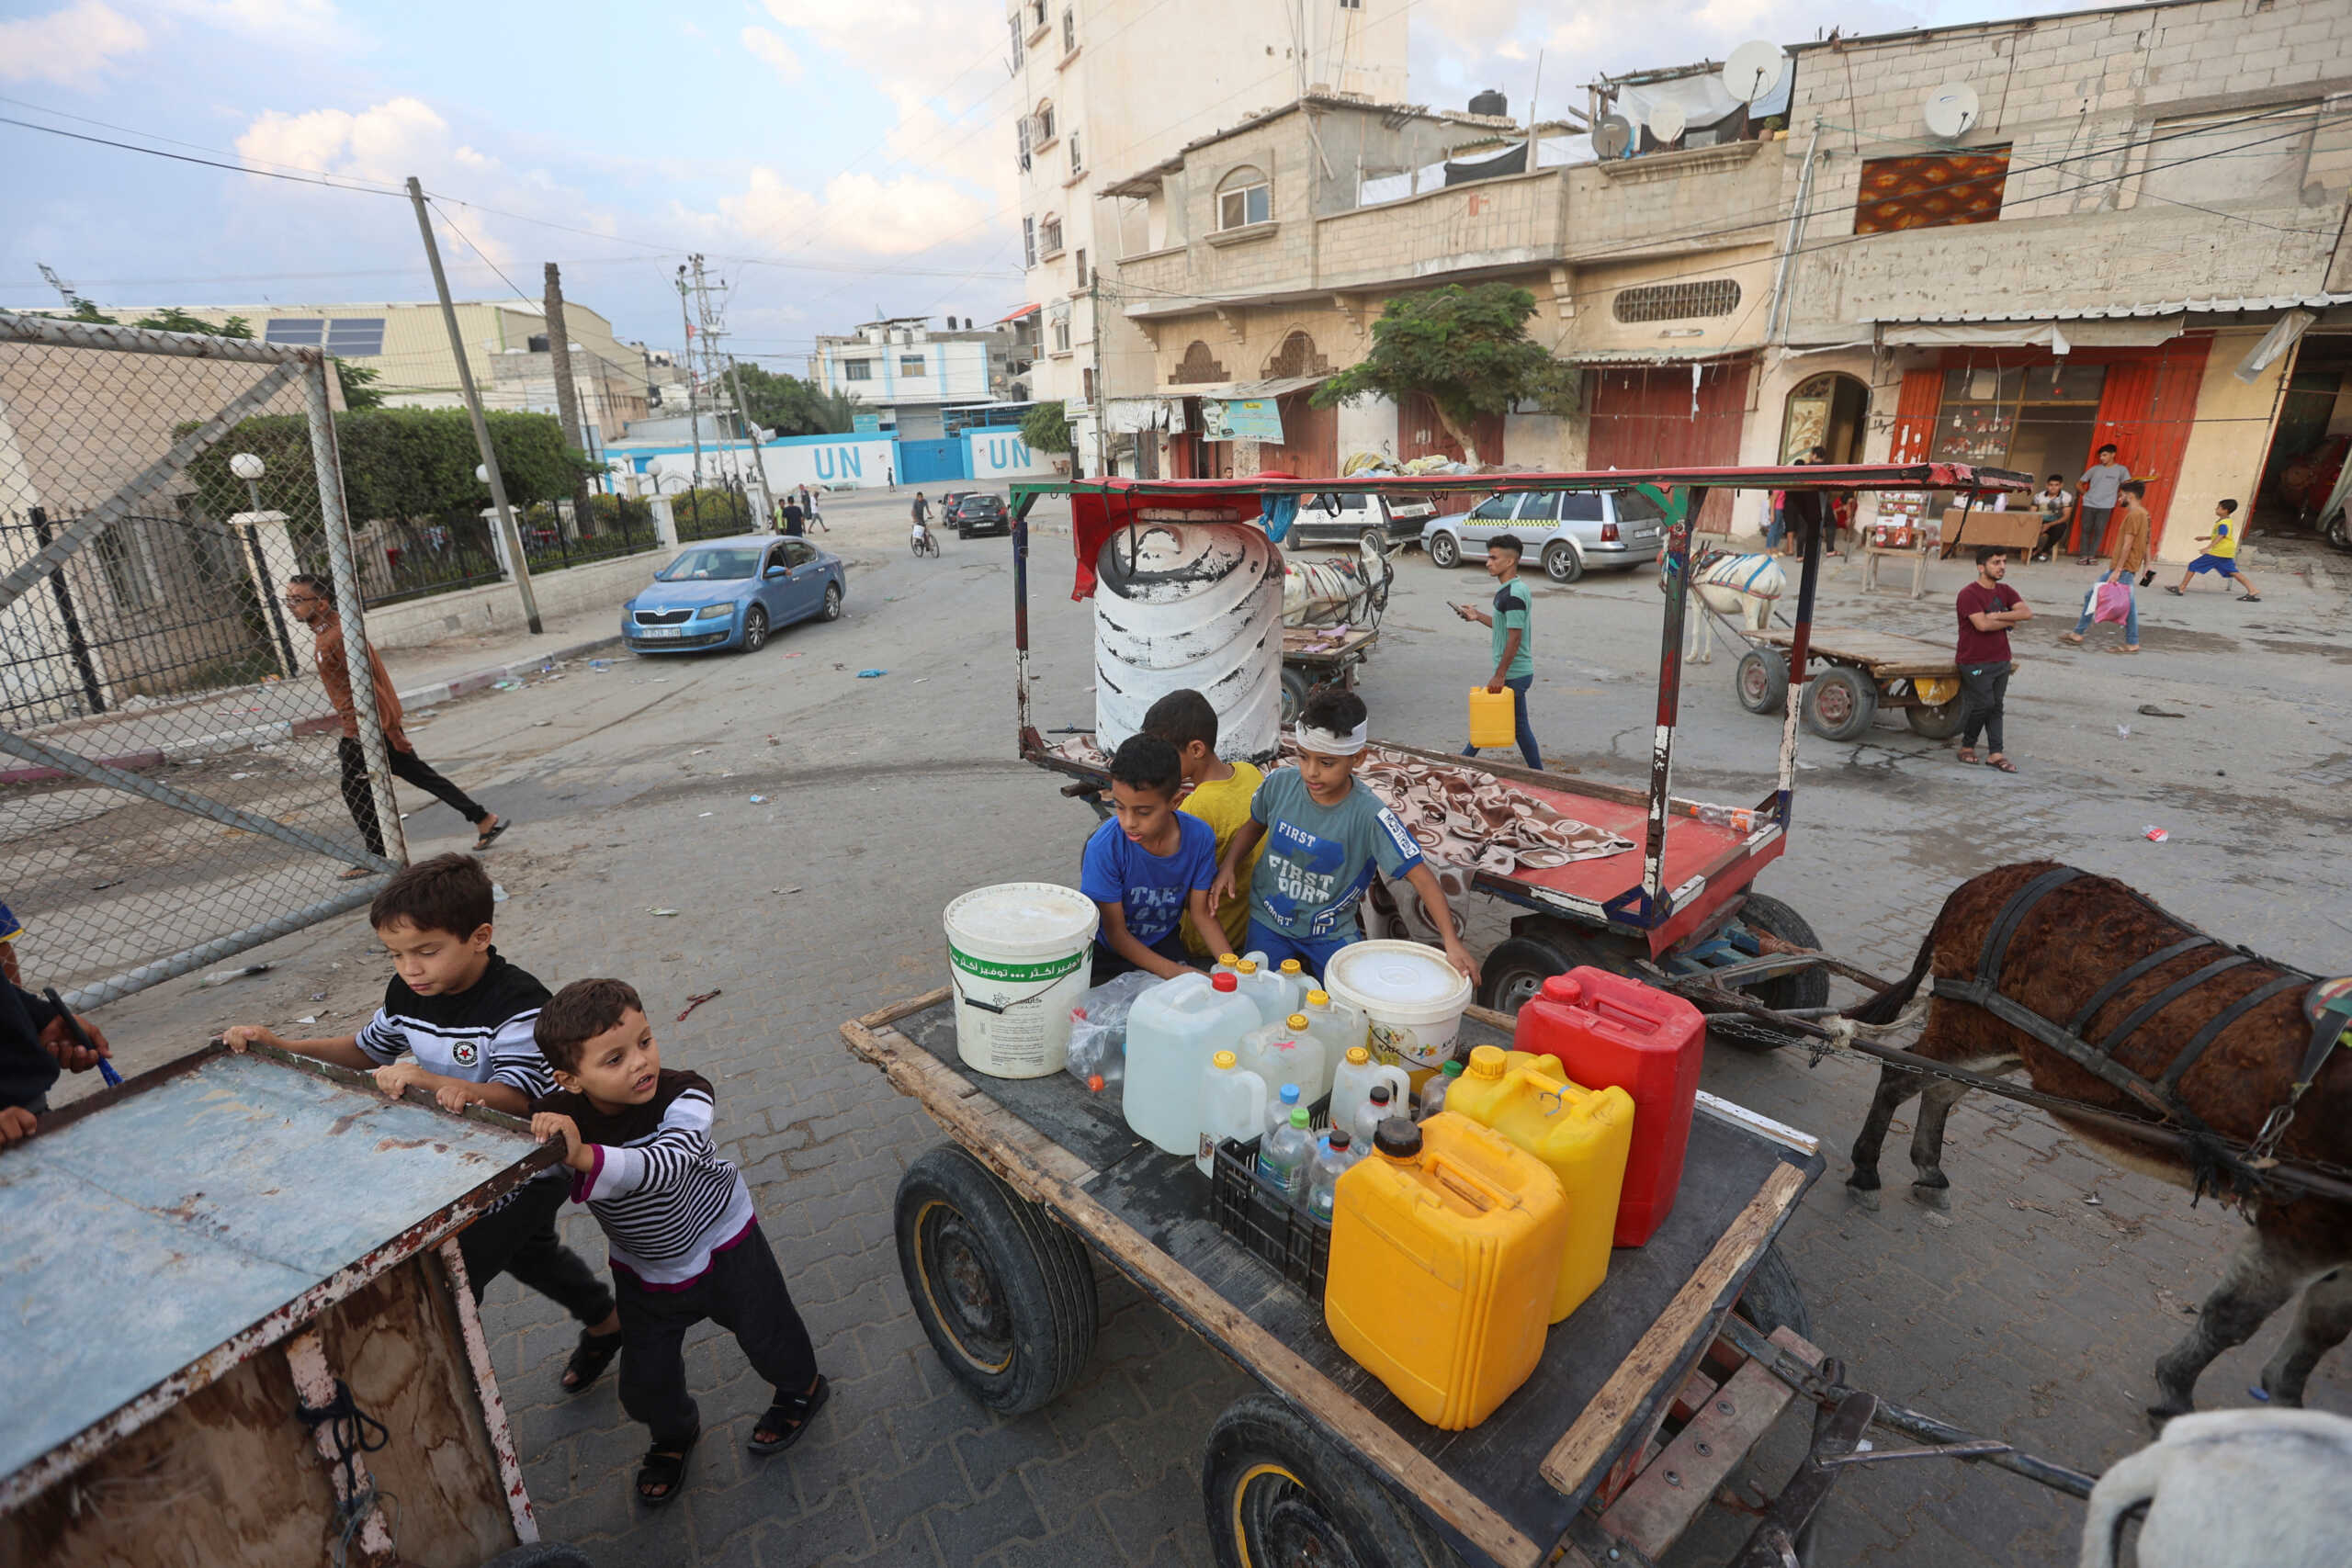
<point>1334,519</point>
<point>1568,532</point>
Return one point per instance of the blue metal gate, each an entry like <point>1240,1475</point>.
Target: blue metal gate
<point>925,462</point>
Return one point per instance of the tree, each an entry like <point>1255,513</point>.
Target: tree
<point>1466,350</point>
<point>1047,429</point>
<point>358,383</point>
<point>791,406</point>
<point>171,319</point>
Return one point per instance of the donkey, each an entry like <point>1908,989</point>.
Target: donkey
<point>1745,586</point>
<point>2089,954</point>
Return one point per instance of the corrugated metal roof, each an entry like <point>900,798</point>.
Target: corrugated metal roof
<point>2116,313</point>
<point>1650,355</point>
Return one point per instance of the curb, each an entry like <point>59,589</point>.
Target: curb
<point>285,728</point>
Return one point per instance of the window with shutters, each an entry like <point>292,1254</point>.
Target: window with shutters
<point>1077,161</point>
<point>1049,236</point>
<point>857,370</point>
<point>1028,242</point>
<point>1014,22</point>
<point>1677,301</point>
<point>1069,29</point>
<point>1043,136</point>
<point>1082,266</point>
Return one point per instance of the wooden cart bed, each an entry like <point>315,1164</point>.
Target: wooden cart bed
<point>1327,645</point>
<point>1511,1487</point>
<point>1886,655</point>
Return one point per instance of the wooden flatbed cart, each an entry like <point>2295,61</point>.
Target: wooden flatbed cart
<point>1648,1397</point>
<point>239,1327</point>
<point>1866,670</point>
<point>1317,656</point>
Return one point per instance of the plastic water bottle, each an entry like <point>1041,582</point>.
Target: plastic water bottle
<point>1332,1157</point>
<point>1433,1091</point>
<point>1278,1108</point>
<point>1233,1105</point>
<point>1378,1107</point>
<point>1284,1156</point>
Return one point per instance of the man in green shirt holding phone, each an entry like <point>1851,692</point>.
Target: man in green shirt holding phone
<point>1511,621</point>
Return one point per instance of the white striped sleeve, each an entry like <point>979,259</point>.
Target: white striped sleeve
<point>682,1142</point>
<point>514,1058</point>
<point>381,1040</point>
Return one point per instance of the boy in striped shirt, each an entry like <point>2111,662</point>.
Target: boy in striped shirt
<point>685,1240</point>
<point>457,1022</point>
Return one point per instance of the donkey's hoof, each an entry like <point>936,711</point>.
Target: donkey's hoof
<point>2159,1414</point>
<point>1933,1197</point>
<point>1864,1180</point>
<point>1863,1197</point>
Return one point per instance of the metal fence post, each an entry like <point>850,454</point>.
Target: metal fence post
<point>336,526</point>
<point>77,642</point>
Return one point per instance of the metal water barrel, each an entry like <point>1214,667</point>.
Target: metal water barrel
<point>1197,605</point>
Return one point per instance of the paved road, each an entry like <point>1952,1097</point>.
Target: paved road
<point>2026,1310</point>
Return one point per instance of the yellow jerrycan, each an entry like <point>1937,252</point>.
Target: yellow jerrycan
<point>1445,1247</point>
<point>1582,1135</point>
<point>1493,721</point>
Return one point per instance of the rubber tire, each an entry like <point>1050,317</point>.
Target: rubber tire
<point>1540,954</point>
<point>755,630</point>
<point>1806,988</point>
<point>1317,1490</point>
<point>1772,1299</point>
<point>1940,722</point>
<point>1760,681</point>
<point>1860,698</point>
<point>832,606</point>
<point>541,1554</point>
<point>1035,1273</point>
<point>1375,537</point>
<point>1297,688</point>
<point>1444,551</point>
<point>2339,531</point>
<point>1561,562</point>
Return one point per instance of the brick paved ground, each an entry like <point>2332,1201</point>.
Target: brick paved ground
<point>2024,1311</point>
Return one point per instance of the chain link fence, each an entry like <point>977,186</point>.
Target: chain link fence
<point>175,786</point>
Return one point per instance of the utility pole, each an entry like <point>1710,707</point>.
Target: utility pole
<point>506,529</point>
<point>567,399</point>
<point>710,328</point>
<point>751,428</point>
<point>1094,330</point>
<point>694,417</point>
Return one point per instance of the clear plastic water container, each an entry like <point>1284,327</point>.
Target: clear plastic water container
<point>1233,1105</point>
<point>1355,1077</point>
<point>1173,1031</point>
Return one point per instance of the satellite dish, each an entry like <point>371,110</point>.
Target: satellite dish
<point>1611,134</point>
<point>1668,120</point>
<point>1754,69</point>
<point>1951,109</point>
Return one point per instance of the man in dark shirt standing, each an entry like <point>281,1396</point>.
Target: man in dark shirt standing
<point>795,520</point>
<point>1988,608</point>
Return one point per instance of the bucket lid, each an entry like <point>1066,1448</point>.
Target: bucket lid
<point>1402,981</point>
<point>1022,919</point>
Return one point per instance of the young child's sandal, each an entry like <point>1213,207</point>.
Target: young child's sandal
<point>589,1359</point>
<point>665,1468</point>
<point>789,1417</point>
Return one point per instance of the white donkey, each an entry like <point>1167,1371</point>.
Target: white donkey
<point>2230,1489</point>
<point>1745,586</point>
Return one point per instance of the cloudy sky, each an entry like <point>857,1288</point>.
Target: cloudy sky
<point>833,158</point>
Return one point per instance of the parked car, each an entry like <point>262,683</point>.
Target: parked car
<point>1351,519</point>
<point>732,594</point>
<point>979,511</point>
<point>1568,533</point>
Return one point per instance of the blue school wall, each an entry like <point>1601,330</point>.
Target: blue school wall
<point>854,461</point>
<point>998,454</point>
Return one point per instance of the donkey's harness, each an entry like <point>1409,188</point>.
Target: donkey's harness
<point>2098,1058</point>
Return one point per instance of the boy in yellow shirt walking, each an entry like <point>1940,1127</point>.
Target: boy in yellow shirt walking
<point>2221,554</point>
<point>1216,791</point>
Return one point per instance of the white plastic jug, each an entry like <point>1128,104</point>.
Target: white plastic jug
<point>1173,1031</point>
<point>1285,1053</point>
<point>1233,1105</point>
<point>1340,1027</point>
<point>1294,976</point>
<point>1266,989</point>
<point>1351,1085</point>
<point>1380,1104</point>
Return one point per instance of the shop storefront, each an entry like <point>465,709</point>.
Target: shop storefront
<point>1681,414</point>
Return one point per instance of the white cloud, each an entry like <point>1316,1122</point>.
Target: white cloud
<point>69,47</point>
<point>390,141</point>
<point>776,53</point>
<point>266,22</point>
<point>860,214</point>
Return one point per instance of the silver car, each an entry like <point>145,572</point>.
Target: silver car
<point>1569,532</point>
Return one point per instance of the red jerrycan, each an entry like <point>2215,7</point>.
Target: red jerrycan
<point>1608,1031</point>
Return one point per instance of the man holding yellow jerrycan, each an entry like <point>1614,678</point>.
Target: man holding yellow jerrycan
<point>1496,718</point>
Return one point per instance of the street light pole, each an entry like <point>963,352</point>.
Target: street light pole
<point>506,529</point>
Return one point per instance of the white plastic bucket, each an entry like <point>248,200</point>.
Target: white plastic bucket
<point>1412,995</point>
<point>1017,956</point>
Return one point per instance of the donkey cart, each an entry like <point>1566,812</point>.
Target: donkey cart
<point>1865,671</point>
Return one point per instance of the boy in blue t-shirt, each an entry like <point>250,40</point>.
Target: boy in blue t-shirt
<point>1149,868</point>
<point>1323,832</point>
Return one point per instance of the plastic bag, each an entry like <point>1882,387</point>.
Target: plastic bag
<point>2114,602</point>
<point>1098,1030</point>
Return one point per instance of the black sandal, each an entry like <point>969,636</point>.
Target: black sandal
<point>590,1357</point>
<point>481,840</point>
<point>789,1417</point>
<point>665,1468</point>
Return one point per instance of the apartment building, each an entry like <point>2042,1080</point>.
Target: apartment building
<point>910,372</point>
<point>1112,86</point>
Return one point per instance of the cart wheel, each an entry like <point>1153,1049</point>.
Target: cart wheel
<point>1808,988</point>
<point>1005,1293</point>
<point>541,1554</point>
<point>1762,680</point>
<point>1839,703</point>
<point>1771,1298</point>
<point>1278,1493</point>
<point>1297,688</point>
<point>1940,722</point>
<point>1519,964</point>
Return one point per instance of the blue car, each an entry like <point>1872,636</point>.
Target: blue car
<point>732,594</point>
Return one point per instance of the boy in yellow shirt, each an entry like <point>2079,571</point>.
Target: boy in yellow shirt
<point>2220,556</point>
<point>1216,791</point>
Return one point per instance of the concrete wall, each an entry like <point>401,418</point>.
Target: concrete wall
<point>2228,444</point>
<point>497,607</point>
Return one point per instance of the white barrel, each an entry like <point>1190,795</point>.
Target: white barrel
<point>1198,606</point>
<point>1018,953</point>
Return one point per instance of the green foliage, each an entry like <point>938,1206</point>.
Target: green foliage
<point>1467,350</point>
<point>711,513</point>
<point>1047,429</point>
<point>358,383</point>
<point>171,319</point>
<point>82,310</point>
<point>791,406</point>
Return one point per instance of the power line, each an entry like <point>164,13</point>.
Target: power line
<point>187,158</point>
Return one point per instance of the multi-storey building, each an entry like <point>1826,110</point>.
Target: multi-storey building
<point>909,372</point>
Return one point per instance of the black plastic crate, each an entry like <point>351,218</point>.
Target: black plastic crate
<point>1295,1242</point>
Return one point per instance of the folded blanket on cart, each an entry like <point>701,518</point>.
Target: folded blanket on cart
<point>1460,815</point>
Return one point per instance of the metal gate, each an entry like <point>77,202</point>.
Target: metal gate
<point>174,784</point>
<point>925,462</point>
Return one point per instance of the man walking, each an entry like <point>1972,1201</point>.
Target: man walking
<point>2102,481</point>
<point>2131,555</point>
<point>793,519</point>
<point>311,601</point>
<point>1512,620</point>
<point>1988,608</point>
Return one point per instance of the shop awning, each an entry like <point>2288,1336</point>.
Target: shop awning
<point>2058,337</point>
<point>1227,390</point>
<point>1651,355</point>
